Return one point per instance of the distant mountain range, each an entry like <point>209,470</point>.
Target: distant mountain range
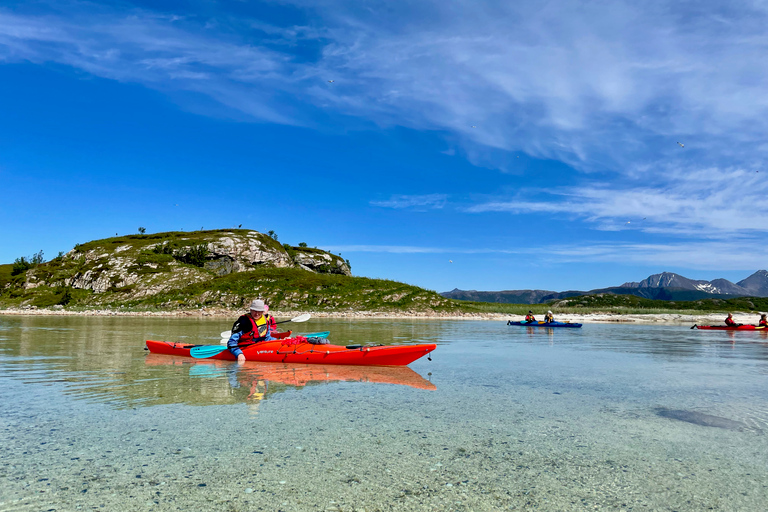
<point>664,286</point>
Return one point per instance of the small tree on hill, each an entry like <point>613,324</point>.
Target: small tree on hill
<point>142,230</point>
<point>20,265</point>
<point>302,244</point>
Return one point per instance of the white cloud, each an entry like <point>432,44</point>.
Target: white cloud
<point>707,203</point>
<point>721,256</point>
<point>738,254</point>
<point>423,202</point>
<point>608,85</point>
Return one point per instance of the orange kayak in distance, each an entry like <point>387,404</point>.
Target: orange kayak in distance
<point>290,351</point>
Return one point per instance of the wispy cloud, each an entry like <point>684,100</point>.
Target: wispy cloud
<point>708,203</point>
<point>155,51</point>
<point>711,255</point>
<point>423,202</point>
<point>608,85</point>
<point>716,255</point>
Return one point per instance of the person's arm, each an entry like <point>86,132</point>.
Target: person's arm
<point>234,340</point>
<point>232,343</point>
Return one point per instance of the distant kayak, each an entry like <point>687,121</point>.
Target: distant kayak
<point>729,327</point>
<point>545,324</point>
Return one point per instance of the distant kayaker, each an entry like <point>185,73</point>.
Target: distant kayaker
<point>529,317</point>
<point>763,321</point>
<point>730,322</point>
<point>549,317</point>
<point>256,325</point>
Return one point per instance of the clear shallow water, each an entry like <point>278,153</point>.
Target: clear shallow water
<point>511,418</point>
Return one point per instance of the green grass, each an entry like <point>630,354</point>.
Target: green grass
<point>5,274</point>
<point>289,288</point>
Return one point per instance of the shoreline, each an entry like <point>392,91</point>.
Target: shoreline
<point>650,318</point>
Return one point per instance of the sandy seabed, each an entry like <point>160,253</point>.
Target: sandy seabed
<point>668,319</point>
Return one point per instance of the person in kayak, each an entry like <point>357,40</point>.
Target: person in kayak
<point>255,326</point>
<point>270,319</point>
<point>549,317</point>
<point>730,322</point>
<point>529,317</point>
<point>763,321</point>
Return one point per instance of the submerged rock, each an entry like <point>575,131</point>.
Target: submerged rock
<point>700,418</point>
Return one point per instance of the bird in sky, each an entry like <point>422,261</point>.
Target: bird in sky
<point>239,225</point>
<point>681,144</point>
<point>473,126</point>
<point>331,81</point>
<point>450,261</point>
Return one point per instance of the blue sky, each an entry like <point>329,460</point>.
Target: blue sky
<point>466,144</point>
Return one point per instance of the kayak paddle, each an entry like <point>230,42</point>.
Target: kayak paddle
<point>323,334</point>
<point>300,318</point>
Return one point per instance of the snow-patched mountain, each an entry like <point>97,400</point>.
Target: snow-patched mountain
<point>756,284</point>
<point>664,286</point>
<point>678,282</point>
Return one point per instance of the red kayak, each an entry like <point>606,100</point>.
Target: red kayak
<point>730,327</point>
<point>292,351</point>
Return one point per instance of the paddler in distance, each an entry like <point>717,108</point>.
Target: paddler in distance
<point>763,321</point>
<point>253,327</point>
<point>529,317</point>
<point>549,317</point>
<point>730,322</point>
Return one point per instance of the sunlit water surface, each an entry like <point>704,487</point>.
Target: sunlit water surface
<point>613,417</point>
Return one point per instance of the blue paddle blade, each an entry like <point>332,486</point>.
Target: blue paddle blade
<point>323,334</point>
<point>204,351</point>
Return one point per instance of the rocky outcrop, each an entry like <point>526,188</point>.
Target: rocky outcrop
<point>321,262</point>
<point>143,265</point>
<point>234,253</point>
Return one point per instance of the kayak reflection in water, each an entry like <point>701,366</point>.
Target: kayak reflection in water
<point>258,388</point>
<point>529,317</point>
<point>255,326</point>
<point>549,317</point>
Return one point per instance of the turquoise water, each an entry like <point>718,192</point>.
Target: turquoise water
<point>611,417</point>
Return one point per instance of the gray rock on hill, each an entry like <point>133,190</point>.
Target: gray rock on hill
<point>143,265</point>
